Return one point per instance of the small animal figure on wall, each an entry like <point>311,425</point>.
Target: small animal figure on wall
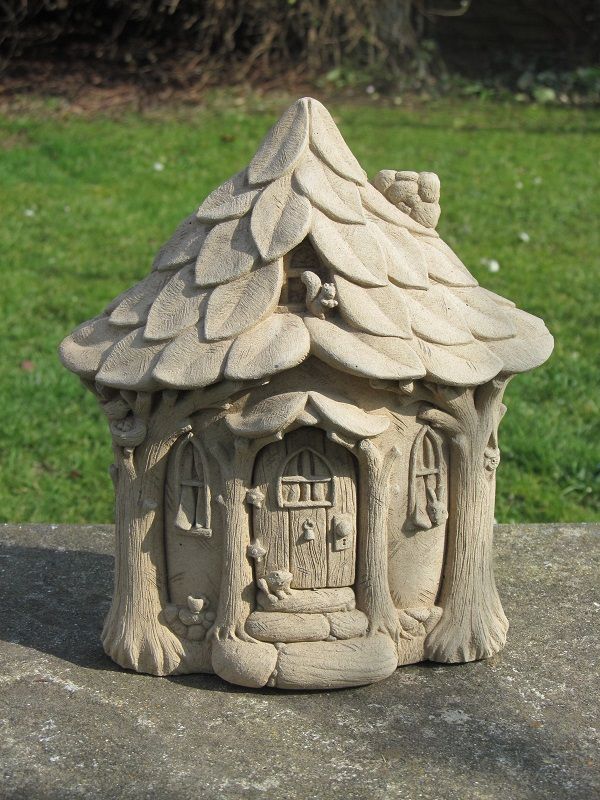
<point>303,397</point>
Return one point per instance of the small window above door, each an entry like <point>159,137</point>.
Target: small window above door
<point>306,481</point>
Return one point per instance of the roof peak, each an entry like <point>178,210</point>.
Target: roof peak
<point>305,126</point>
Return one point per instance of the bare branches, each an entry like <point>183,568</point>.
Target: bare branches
<point>490,394</point>
<point>209,397</point>
<point>457,410</point>
<point>199,42</point>
<point>442,420</point>
<point>143,405</point>
<point>431,13</point>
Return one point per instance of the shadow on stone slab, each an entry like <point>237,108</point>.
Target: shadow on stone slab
<point>55,600</point>
<point>215,684</point>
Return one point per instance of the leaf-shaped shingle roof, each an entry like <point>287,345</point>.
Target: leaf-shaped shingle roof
<point>407,307</point>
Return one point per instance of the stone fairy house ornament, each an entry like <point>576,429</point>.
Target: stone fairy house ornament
<point>304,397</point>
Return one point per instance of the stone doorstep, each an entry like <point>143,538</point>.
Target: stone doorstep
<point>275,626</point>
<point>310,601</point>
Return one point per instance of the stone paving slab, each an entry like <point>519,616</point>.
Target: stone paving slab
<point>523,725</point>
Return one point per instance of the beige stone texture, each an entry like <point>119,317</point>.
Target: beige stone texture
<point>304,397</point>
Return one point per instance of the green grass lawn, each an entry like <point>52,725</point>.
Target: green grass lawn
<point>84,209</point>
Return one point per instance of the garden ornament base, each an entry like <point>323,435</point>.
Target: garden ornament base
<point>304,398</point>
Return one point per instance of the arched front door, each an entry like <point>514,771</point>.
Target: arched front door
<point>307,520</point>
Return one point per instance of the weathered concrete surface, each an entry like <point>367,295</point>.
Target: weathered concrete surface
<point>523,725</point>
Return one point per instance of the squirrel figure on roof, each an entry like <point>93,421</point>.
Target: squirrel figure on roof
<point>307,384</point>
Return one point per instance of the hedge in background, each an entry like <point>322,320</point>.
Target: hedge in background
<point>216,41</point>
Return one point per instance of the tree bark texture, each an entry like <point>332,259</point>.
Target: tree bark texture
<point>372,586</point>
<point>134,634</point>
<point>473,624</point>
<point>235,598</point>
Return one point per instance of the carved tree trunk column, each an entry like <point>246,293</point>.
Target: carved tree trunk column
<point>134,635</point>
<point>473,624</point>
<point>237,581</point>
<point>372,586</point>
<point>236,656</point>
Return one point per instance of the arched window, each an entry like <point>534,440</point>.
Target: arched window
<point>192,507</point>
<point>427,506</point>
<point>305,481</point>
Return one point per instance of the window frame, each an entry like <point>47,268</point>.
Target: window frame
<point>282,479</point>
<point>202,484</point>
<point>419,471</point>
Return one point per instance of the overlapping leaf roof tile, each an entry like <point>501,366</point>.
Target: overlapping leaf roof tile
<point>407,307</point>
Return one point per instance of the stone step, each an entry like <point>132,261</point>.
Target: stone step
<point>310,601</point>
<point>278,626</point>
<point>331,665</point>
